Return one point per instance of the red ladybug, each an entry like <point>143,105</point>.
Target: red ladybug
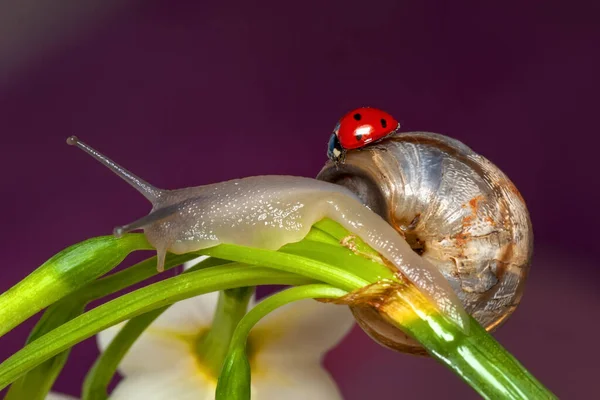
<point>357,129</point>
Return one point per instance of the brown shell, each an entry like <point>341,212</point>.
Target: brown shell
<point>456,209</point>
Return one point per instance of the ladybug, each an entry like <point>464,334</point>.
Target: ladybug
<point>359,128</point>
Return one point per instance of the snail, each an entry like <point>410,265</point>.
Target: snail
<point>456,209</point>
<point>269,212</point>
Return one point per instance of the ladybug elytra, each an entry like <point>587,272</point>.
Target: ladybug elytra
<point>359,128</point>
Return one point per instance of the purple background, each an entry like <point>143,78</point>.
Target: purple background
<point>187,93</point>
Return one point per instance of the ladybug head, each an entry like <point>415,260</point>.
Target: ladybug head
<point>335,151</point>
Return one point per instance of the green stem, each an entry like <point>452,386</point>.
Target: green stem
<point>277,300</point>
<point>99,376</point>
<point>44,375</point>
<point>136,303</point>
<point>235,378</point>
<point>95,386</point>
<point>340,233</point>
<point>120,280</point>
<point>475,356</point>
<point>364,268</point>
<point>35,384</point>
<point>318,235</point>
<point>64,273</point>
<point>317,270</point>
<point>231,308</point>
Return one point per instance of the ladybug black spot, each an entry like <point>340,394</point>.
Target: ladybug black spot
<point>383,123</point>
<point>357,116</point>
<point>358,137</point>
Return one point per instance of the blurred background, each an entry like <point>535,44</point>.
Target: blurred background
<point>188,93</point>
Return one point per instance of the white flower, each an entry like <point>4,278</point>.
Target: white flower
<point>286,353</point>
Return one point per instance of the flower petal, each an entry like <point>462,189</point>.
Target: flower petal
<point>191,263</point>
<point>152,352</point>
<point>187,317</point>
<point>169,339</point>
<point>58,396</point>
<point>306,329</point>
<point>294,381</point>
<point>182,383</point>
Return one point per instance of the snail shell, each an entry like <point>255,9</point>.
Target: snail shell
<point>456,209</point>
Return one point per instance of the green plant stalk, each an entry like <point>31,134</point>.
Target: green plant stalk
<point>35,384</point>
<point>96,383</point>
<point>362,267</point>
<point>286,262</point>
<point>136,303</point>
<point>318,235</point>
<point>475,357</point>
<point>231,308</point>
<point>98,378</point>
<point>95,386</point>
<point>130,305</point>
<point>235,378</point>
<point>333,275</point>
<point>273,302</point>
<point>340,233</point>
<point>64,273</point>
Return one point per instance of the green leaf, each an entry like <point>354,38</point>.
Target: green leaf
<point>98,378</point>
<point>235,379</point>
<point>317,270</point>
<point>340,233</point>
<point>96,382</point>
<point>475,356</point>
<point>44,375</point>
<point>364,268</point>
<point>35,384</point>
<point>213,345</point>
<point>64,273</point>
<point>136,303</point>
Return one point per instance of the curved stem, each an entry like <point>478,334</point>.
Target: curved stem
<point>136,303</point>
<point>95,385</point>
<point>64,273</point>
<point>273,302</point>
<point>234,381</point>
<point>317,270</point>
<point>98,378</point>
<point>231,308</point>
<point>44,375</point>
<point>364,268</point>
<point>35,384</point>
<point>476,356</point>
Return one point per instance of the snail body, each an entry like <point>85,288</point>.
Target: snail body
<point>456,209</point>
<point>269,212</point>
